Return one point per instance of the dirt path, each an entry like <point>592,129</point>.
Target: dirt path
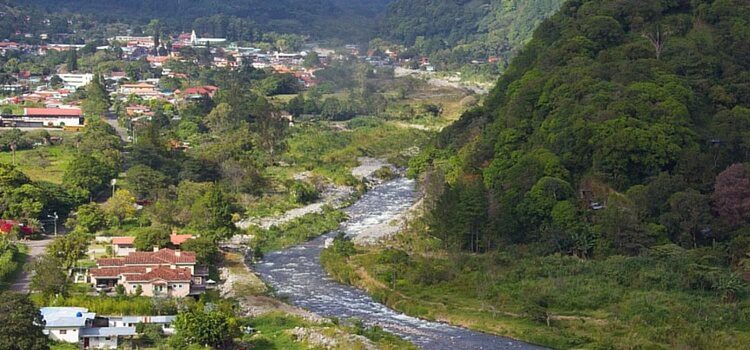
<point>36,248</point>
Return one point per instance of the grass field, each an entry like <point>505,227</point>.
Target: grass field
<point>557,301</point>
<point>42,163</point>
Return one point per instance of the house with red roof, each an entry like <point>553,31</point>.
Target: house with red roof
<point>197,92</point>
<point>138,110</point>
<point>161,273</point>
<point>45,117</point>
<point>124,245</point>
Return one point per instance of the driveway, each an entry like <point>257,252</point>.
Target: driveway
<point>36,248</point>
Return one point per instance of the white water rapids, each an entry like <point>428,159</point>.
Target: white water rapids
<point>295,273</point>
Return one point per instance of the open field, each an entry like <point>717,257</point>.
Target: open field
<point>44,163</point>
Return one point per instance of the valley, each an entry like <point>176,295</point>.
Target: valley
<point>431,174</point>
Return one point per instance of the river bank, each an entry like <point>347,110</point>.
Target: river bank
<point>297,276</point>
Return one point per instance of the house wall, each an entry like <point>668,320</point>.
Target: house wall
<point>114,321</point>
<point>70,336</point>
<point>175,290</point>
<point>76,80</point>
<point>44,121</point>
<point>103,343</point>
<point>122,250</point>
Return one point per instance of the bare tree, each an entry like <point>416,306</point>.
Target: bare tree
<point>658,38</point>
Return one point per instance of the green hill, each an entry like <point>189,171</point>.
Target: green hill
<point>454,32</point>
<point>353,20</point>
<point>636,105</point>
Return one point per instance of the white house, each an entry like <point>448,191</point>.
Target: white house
<point>64,324</point>
<point>131,321</point>
<point>75,81</point>
<point>78,326</point>
<point>45,117</point>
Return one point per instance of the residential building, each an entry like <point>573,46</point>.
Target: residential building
<point>137,89</point>
<point>79,326</point>
<point>131,321</point>
<point>163,272</point>
<point>197,92</point>
<point>45,117</point>
<point>75,81</point>
<point>137,110</point>
<point>124,245</point>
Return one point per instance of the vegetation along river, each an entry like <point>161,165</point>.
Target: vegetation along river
<point>296,273</point>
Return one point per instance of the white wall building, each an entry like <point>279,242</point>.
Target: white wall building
<point>75,81</point>
<point>78,326</point>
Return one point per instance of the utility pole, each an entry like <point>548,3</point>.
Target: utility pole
<point>54,217</point>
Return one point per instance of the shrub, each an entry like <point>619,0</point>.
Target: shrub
<point>385,173</point>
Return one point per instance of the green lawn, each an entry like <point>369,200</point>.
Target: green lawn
<point>44,163</point>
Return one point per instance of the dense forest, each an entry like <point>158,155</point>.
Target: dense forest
<point>346,20</point>
<point>454,32</point>
<point>599,198</point>
<point>638,107</point>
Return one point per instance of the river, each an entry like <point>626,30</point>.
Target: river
<point>295,273</point>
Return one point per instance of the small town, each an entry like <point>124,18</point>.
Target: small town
<point>377,175</point>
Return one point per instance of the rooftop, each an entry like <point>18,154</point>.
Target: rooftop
<point>107,331</point>
<point>65,317</point>
<point>72,112</point>
<point>162,257</point>
<point>161,273</point>
<point>114,272</point>
<point>123,240</point>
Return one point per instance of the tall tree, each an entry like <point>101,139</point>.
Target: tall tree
<point>97,101</point>
<point>72,60</point>
<point>731,197</point>
<point>49,276</point>
<point>21,322</point>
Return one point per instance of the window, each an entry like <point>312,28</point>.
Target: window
<point>63,331</point>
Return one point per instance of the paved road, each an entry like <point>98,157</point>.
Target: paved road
<point>36,248</point>
<point>111,119</point>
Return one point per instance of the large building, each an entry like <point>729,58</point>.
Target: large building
<point>161,273</point>
<point>44,117</point>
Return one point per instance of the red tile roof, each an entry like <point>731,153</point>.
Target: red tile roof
<point>199,90</point>
<point>179,239</point>
<point>116,271</point>
<point>104,262</point>
<point>72,112</point>
<point>163,256</point>
<point>161,273</point>
<point>123,240</point>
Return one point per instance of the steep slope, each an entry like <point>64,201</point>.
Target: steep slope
<point>635,106</point>
<point>454,32</point>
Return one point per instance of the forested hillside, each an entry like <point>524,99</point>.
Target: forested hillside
<point>600,198</point>
<point>641,106</point>
<point>454,32</point>
<point>352,20</point>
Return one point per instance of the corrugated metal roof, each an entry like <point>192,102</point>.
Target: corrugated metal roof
<point>58,317</point>
<point>107,331</point>
<point>148,319</point>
